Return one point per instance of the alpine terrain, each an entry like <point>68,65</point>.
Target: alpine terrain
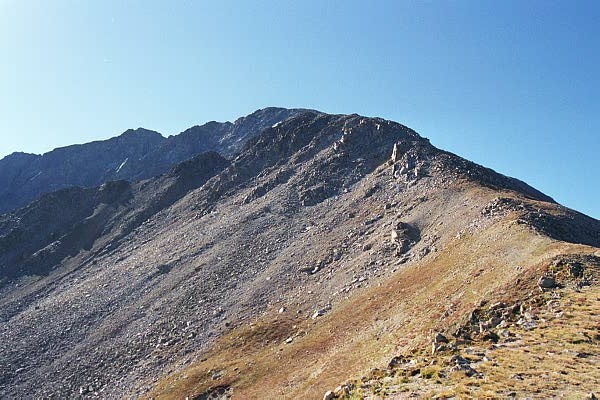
<point>291,254</point>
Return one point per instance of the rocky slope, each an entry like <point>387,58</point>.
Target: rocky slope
<point>136,154</point>
<point>36,238</point>
<point>327,246</point>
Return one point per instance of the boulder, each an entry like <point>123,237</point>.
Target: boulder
<point>490,336</point>
<point>440,338</point>
<point>459,360</point>
<point>462,364</point>
<point>547,282</point>
<point>396,361</point>
<point>576,270</point>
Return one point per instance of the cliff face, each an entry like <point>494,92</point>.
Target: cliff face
<point>134,155</point>
<point>327,245</point>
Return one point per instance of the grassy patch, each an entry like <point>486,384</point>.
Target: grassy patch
<point>397,317</point>
<point>432,371</point>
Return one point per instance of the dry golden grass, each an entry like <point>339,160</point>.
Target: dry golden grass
<point>374,325</point>
<point>560,358</point>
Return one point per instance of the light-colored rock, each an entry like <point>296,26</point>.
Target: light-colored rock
<point>395,153</point>
<point>321,312</point>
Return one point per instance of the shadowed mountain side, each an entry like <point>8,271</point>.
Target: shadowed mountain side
<point>136,154</point>
<point>35,239</point>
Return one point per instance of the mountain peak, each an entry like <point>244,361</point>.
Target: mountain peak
<point>141,132</point>
<point>134,155</point>
<point>18,156</point>
<point>328,239</point>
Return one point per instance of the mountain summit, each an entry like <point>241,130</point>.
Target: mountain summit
<point>301,252</point>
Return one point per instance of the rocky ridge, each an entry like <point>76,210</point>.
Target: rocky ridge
<point>37,238</point>
<point>326,245</point>
<point>134,155</point>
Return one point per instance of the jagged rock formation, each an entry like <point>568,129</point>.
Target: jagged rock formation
<point>136,154</point>
<point>327,245</point>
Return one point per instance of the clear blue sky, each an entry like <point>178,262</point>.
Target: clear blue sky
<point>513,85</point>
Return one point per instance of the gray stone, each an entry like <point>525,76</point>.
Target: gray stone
<point>547,282</point>
<point>576,270</point>
<point>459,360</point>
<point>439,338</point>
